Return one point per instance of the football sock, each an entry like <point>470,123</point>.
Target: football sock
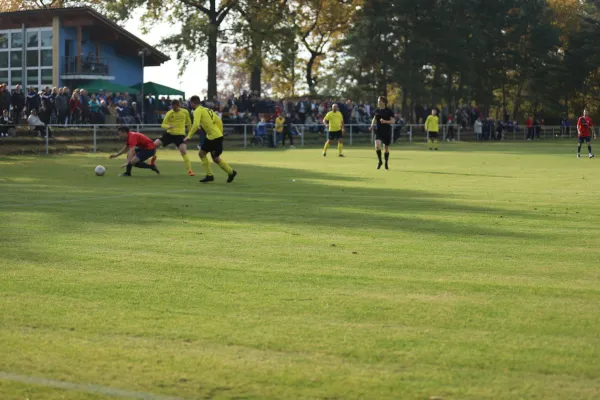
<point>186,160</point>
<point>225,167</point>
<point>143,165</point>
<point>435,143</point>
<point>379,155</point>
<point>340,147</point>
<point>590,149</point>
<point>387,157</point>
<point>129,167</point>
<point>579,148</point>
<point>206,165</point>
<point>326,147</point>
<point>430,143</point>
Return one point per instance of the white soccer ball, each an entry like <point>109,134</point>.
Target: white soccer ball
<point>100,170</point>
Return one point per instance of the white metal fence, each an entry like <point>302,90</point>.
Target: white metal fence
<point>247,134</point>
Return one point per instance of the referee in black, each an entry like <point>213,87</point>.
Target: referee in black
<point>382,127</point>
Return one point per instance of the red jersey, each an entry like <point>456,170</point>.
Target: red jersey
<point>136,139</point>
<point>529,122</point>
<point>584,125</point>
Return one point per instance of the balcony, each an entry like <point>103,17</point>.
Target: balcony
<point>86,68</point>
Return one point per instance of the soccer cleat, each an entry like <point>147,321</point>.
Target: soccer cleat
<point>379,165</point>
<point>124,174</point>
<point>324,154</point>
<point>430,149</point>
<point>578,155</point>
<point>292,147</point>
<point>207,178</point>
<point>155,169</point>
<point>436,149</point>
<point>591,155</point>
<point>341,155</point>
<point>387,167</point>
<point>191,173</point>
<point>152,160</point>
<point>231,177</point>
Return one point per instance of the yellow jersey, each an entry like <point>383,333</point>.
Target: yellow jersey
<point>209,121</point>
<point>180,120</point>
<point>279,124</point>
<point>335,119</point>
<point>432,123</point>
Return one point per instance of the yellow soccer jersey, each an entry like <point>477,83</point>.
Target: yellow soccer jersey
<point>335,119</point>
<point>279,124</point>
<point>209,121</point>
<point>180,120</point>
<point>432,123</point>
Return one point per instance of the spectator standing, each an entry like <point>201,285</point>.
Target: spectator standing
<point>279,125</point>
<point>5,98</point>
<point>450,133</point>
<point>478,126</point>
<point>85,105</point>
<point>529,126</point>
<point>33,101</point>
<point>565,126</point>
<point>18,103</point>
<point>150,110</point>
<point>61,103</point>
<point>75,108</point>
<point>288,125</point>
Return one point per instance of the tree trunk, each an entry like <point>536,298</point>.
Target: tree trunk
<point>403,106</point>
<point>309,74</point>
<point>213,33</point>
<point>518,101</point>
<point>256,65</point>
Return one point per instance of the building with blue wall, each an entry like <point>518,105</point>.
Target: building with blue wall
<point>68,47</point>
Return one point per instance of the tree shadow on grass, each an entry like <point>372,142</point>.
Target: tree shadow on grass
<point>260,195</point>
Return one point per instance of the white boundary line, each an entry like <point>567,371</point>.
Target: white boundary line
<point>87,388</point>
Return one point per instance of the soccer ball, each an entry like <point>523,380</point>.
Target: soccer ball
<point>100,170</point>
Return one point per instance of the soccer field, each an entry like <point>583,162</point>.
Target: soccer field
<point>469,273</point>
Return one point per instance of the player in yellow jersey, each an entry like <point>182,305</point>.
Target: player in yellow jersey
<point>432,127</point>
<point>336,129</point>
<point>210,122</point>
<point>175,122</point>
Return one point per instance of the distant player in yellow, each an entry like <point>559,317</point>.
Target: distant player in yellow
<point>432,127</point>
<point>175,122</point>
<point>210,122</point>
<point>336,129</point>
<point>279,124</point>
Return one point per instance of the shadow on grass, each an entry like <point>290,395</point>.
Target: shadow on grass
<point>260,195</point>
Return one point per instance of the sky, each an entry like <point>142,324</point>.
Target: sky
<point>193,81</point>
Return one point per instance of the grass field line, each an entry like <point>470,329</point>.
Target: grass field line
<point>81,387</point>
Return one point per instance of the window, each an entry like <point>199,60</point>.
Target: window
<point>32,58</point>
<point>37,60</point>
<point>16,40</point>
<point>33,38</point>
<point>16,59</point>
<point>3,40</point>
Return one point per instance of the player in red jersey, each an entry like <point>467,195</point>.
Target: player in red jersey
<point>585,128</point>
<point>139,148</point>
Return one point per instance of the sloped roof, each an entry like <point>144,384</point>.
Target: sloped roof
<point>155,57</point>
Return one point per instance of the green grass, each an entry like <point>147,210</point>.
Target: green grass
<point>470,273</point>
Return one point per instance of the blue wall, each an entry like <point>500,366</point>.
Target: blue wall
<point>126,68</point>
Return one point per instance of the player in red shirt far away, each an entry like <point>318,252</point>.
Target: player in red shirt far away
<point>585,127</point>
<point>139,148</point>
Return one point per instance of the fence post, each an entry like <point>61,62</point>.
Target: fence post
<point>245,136</point>
<point>47,139</point>
<point>351,131</point>
<point>95,126</point>
<point>302,136</point>
<point>410,134</point>
<point>458,130</point>
<point>393,131</point>
<point>443,133</point>
<point>275,137</point>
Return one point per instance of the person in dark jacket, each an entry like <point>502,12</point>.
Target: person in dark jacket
<point>6,124</point>
<point>33,101</point>
<point>5,98</point>
<point>62,106</point>
<point>18,103</point>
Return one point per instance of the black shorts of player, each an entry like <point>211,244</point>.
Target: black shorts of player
<point>335,135</point>
<point>214,147</point>
<point>433,135</point>
<point>586,139</point>
<point>167,139</point>
<point>384,137</point>
<point>144,154</point>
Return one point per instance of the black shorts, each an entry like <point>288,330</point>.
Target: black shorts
<point>167,139</point>
<point>384,137</point>
<point>144,154</point>
<point>586,139</point>
<point>433,135</point>
<point>336,135</point>
<point>214,147</point>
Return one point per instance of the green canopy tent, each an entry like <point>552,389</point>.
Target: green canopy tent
<point>107,86</point>
<point>159,90</point>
